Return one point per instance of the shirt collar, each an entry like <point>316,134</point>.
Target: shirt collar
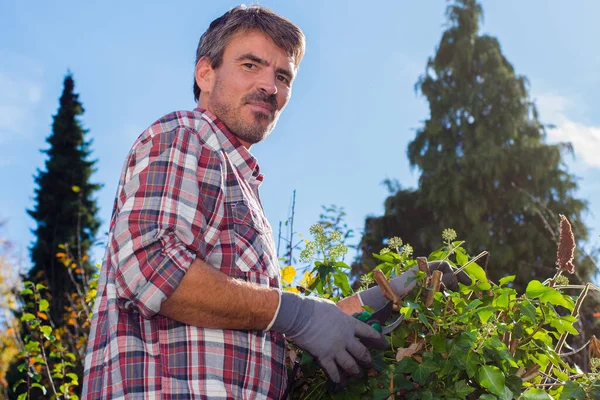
<point>243,160</point>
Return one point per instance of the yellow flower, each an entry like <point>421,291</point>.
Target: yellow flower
<point>308,279</point>
<point>288,273</point>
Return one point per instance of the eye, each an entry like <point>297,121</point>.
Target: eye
<point>249,65</point>
<point>284,79</point>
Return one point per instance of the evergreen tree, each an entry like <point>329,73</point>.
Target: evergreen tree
<point>65,209</point>
<point>486,170</point>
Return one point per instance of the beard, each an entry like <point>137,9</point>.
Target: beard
<point>251,130</point>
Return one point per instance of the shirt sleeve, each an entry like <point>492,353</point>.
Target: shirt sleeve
<point>169,197</point>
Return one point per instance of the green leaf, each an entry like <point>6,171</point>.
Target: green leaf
<point>26,291</point>
<point>491,378</point>
<point>564,324</point>
<point>474,304</point>
<point>462,389</point>
<point>485,313</point>
<point>546,294</point>
<point>22,396</point>
<point>572,390</point>
<point>27,317</point>
<point>536,394</point>
<point>487,397</point>
<point>501,301</point>
<point>46,330</point>
<point>37,385</point>
<point>514,383</point>
<point>560,375</point>
<point>477,274</point>
<point>507,395</point>
<point>341,281</point>
<point>73,377</point>
<point>39,287</point>
<point>528,310</point>
<point>17,383</point>
<point>401,383</point>
<point>341,264</point>
<point>381,393</point>
<point>507,279</point>
<point>424,371</point>
<point>439,343</point>
<point>44,305</point>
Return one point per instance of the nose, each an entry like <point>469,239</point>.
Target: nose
<point>267,84</point>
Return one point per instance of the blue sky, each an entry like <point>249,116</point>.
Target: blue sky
<point>353,109</point>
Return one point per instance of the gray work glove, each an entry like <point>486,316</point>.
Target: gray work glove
<point>374,298</point>
<point>321,328</point>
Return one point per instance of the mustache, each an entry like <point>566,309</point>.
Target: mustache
<point>260,97</point>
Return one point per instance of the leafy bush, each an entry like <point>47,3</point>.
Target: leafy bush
<point>484,342</point>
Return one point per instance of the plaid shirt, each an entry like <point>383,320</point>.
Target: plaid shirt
<point>187,187</point>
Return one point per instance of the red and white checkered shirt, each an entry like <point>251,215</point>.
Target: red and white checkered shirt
<point>188,187</point>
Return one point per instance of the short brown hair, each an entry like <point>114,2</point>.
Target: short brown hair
<point>284,34</point>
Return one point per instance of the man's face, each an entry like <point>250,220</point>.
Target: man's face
<point>251,87</point>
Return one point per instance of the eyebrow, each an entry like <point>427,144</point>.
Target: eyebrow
<point>258,60</point>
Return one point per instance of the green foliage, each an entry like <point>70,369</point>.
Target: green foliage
<point>46,363</point>
<point>485,341</point>
<point>485,168</point>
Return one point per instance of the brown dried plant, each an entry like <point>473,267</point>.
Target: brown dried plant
<point>566,247</point>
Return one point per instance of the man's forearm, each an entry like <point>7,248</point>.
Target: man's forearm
<point>208,298</point>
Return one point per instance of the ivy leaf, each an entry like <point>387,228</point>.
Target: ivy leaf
<point>462,389</point>
<point>501,301</point>
<point>536,394</point>
<point>474,304</point>
<point>506,279</point>
<point>491,378</point>
<point>528,310</point>
<point>560,375</point>
<point>485,313</point>
<point>564,324</point>
<point>546,294</point>
<point>407,365</point>
<point>572,390</point>
<point>439,343</point>
<point>424,371</point>
<point>478,274</point>
<point>381,393</point>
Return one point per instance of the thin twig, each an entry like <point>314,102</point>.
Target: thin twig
<point>575,351</point>
<point>482,254</point>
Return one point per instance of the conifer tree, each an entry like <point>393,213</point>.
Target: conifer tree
<point>486,170</point>
<point>65,209</point>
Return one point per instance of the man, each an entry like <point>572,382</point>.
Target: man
<point>189,302</point>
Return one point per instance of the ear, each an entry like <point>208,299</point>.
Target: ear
<point>204,75</point>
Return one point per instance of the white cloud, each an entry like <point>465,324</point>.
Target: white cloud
<point>20,93</point>
<point>584,138</point>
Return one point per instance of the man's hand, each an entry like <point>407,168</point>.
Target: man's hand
<point>374,298</point>
<point>322,329</point>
